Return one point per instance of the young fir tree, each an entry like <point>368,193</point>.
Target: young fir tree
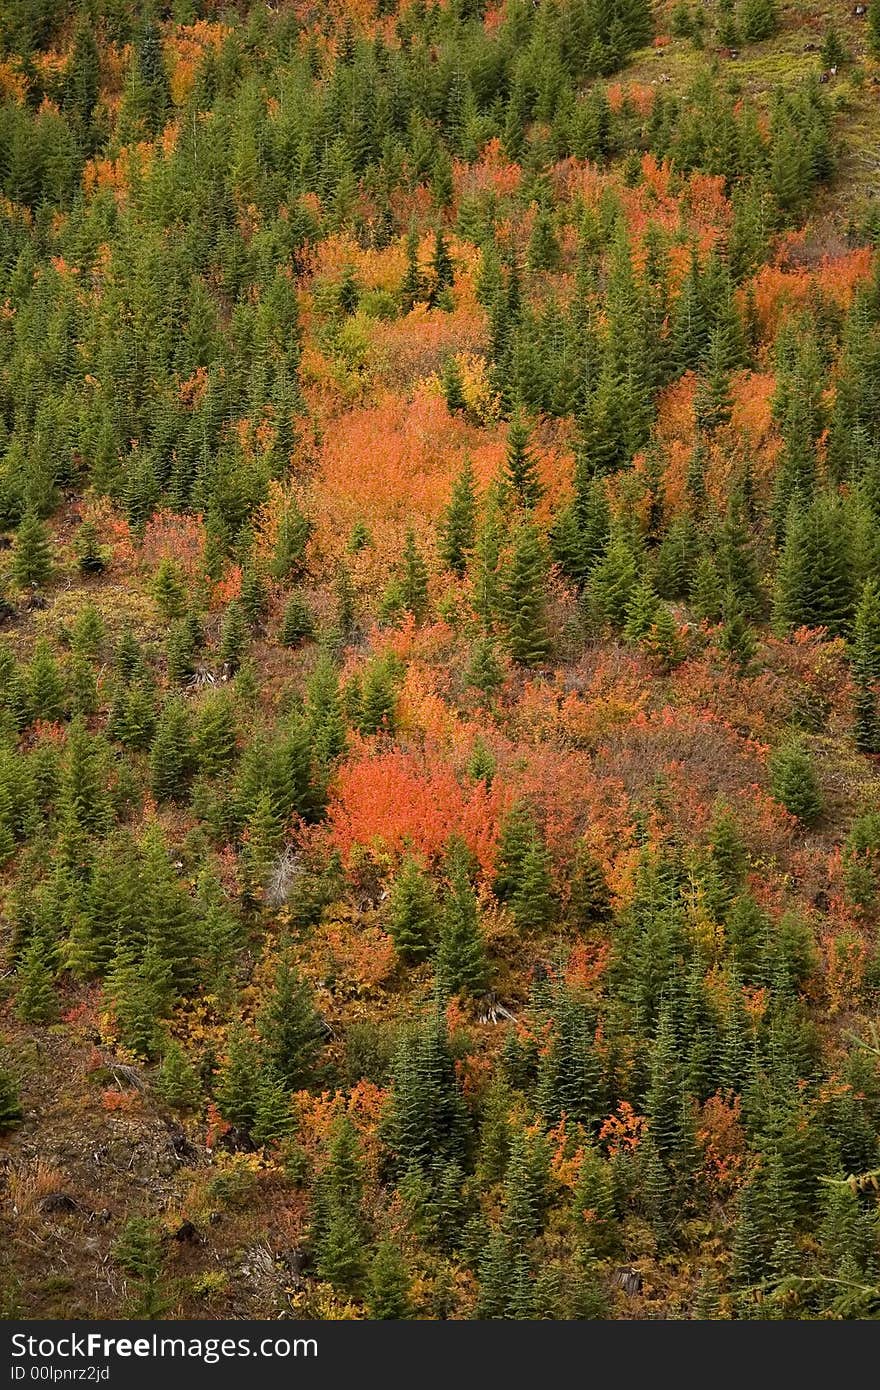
<point>794,783</point>
<point>90,556</point>
<point>413,579</point>
<point>532,902</point>
<point>216,734</point>
<point>461,956</point>
<point>457,528</point>
<point>297,624</point>
<point>865,664</point>
<point>32,555</point>
<point>484,671</point>
<point>177,1082</point>
<point>169,590</point>
<point>453,387</point>
<point>520,466</point>
<point>35,999</point>
<point>338,1234</point>
<point>525,599</point>
<point>171,757</point>
<point>758,19</point>
<point>412,911</point>
<point>233,636</point>
<point>389,1284</point>
<point>10,1101</point>
<point>237,1085</point>
<point>289,1025</point>
<point>139,988</point>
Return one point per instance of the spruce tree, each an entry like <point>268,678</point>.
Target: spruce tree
<point>171,757</point>
<point>237,1086</point>
<point>215,735</point>
<point>413,579</point>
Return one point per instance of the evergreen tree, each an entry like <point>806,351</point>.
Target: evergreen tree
<point>865,663</point>
<point>758,20</point>
<point>177,1083</point>
<point>413,579</point>
<point>793,782</point>
<point>297,624</point>
<point>32,555</point>
<point>413,911</point>
<point>388,1296</point>
<point>525,598</point>
<point>521,469</point>
<point>35,1000</point>
<point>458,525</point>
<point>289,1026</point>
<point>233,636</point>
<point>338,1234</point>
<point>238,1082</point>
<point>171,757</point>
<point>10,1103</point>
<point>461,956</point>
<point>89,553</point>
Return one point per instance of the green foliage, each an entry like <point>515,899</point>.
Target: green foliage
<point>794,783</point>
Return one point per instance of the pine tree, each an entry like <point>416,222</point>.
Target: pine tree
<point>453,387</point>
<point>458,525</point>
<point>168,590</point>
<point>32,555</point>
<point>273,1118</point>
<point>338,1234</point>
<point>140,991</point>
<point>793,782</point>
<point>413,911</point>
<point>525,598</point>
<point>289,1025</point>
<point>532,903</point>
<point>294,532</point>
<point>442,272</point>
<point>814,586</point>
<point>484,671</point>
<point>45,686</point>
<point>412,288</point>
